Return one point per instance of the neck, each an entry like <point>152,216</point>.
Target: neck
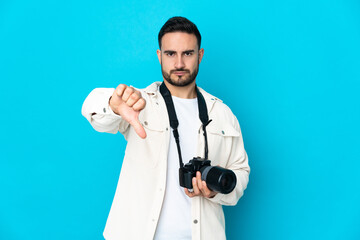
<point>183,91</point>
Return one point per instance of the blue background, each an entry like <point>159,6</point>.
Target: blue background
<point>289,70</point>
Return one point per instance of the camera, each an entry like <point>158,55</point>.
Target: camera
<point>217,179</point>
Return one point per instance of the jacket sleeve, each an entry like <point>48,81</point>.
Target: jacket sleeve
<point>97,111</point>
<point>237,162</point>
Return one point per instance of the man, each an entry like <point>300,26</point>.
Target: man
<point>149,203</point>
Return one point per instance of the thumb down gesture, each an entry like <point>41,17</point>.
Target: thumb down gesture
<point>127,102</point>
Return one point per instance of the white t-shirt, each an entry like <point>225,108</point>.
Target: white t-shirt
<point>175,216</point>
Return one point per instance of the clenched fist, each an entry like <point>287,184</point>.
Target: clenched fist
<point>127,102</point>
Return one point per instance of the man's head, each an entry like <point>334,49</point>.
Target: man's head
<point>180,53</point>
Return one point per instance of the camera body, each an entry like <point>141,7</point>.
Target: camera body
<point>217,179</point>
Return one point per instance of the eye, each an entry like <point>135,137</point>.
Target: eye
<point>169,54</point>
<point>188,53</point>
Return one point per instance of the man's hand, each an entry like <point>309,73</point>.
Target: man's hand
<point>199,188</point>
<point>127,102</point>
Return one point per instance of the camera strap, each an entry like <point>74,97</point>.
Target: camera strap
<point>174,123</point>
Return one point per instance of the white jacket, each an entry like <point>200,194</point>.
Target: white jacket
<point>139,195</point>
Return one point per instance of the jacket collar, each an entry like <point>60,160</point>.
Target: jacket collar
<point>153,90</point>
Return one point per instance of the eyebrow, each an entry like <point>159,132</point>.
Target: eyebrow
<point>186,51</point>
<point>169,51</point>
<point>189,51</point>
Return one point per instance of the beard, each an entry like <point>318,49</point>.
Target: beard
<point>180,81</point>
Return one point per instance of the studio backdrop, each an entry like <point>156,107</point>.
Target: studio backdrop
<point>289,70</point>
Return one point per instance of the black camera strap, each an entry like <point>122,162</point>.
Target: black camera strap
<point>174,123</point>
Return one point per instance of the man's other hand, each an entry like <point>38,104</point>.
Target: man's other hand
<point>199,188</point>
<point>127,102</point>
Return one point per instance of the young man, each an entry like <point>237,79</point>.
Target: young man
<point>149,202</point>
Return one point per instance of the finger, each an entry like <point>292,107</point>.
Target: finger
<point>132,99</point>
<point>138,128</point>
<point>205,190</point>
<point>195,187</point>
<point>198,180</point>
<point>210,193</point>
<point>115,99</point>
<point>120,90</point>
<point>139,105</point>
<point>128,91</point>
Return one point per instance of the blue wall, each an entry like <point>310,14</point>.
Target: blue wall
<point>290,71</point>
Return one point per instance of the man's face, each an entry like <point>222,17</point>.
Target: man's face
<point>179,58</point>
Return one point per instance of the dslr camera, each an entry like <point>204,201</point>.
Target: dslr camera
<point>217,179</point>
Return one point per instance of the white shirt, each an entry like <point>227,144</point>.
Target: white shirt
<point>175,217</point>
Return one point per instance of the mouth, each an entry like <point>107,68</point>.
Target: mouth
<point>180,73</point>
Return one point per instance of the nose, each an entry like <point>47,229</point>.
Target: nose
<point>179,62</point>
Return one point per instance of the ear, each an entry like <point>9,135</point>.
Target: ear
<point>201,54</point>
<point>158,52</point>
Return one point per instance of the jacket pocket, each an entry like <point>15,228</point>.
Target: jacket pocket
<point>148,151</point>
<point>220,138</point>
<point>225,130</point>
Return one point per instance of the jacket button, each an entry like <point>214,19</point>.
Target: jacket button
<point>195,221</point>
<point>104,109</point>
<point>223,132</point>
<point>146,123</point>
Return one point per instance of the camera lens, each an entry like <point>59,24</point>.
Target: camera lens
<point>219,179</point>
<point>225,182</point>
